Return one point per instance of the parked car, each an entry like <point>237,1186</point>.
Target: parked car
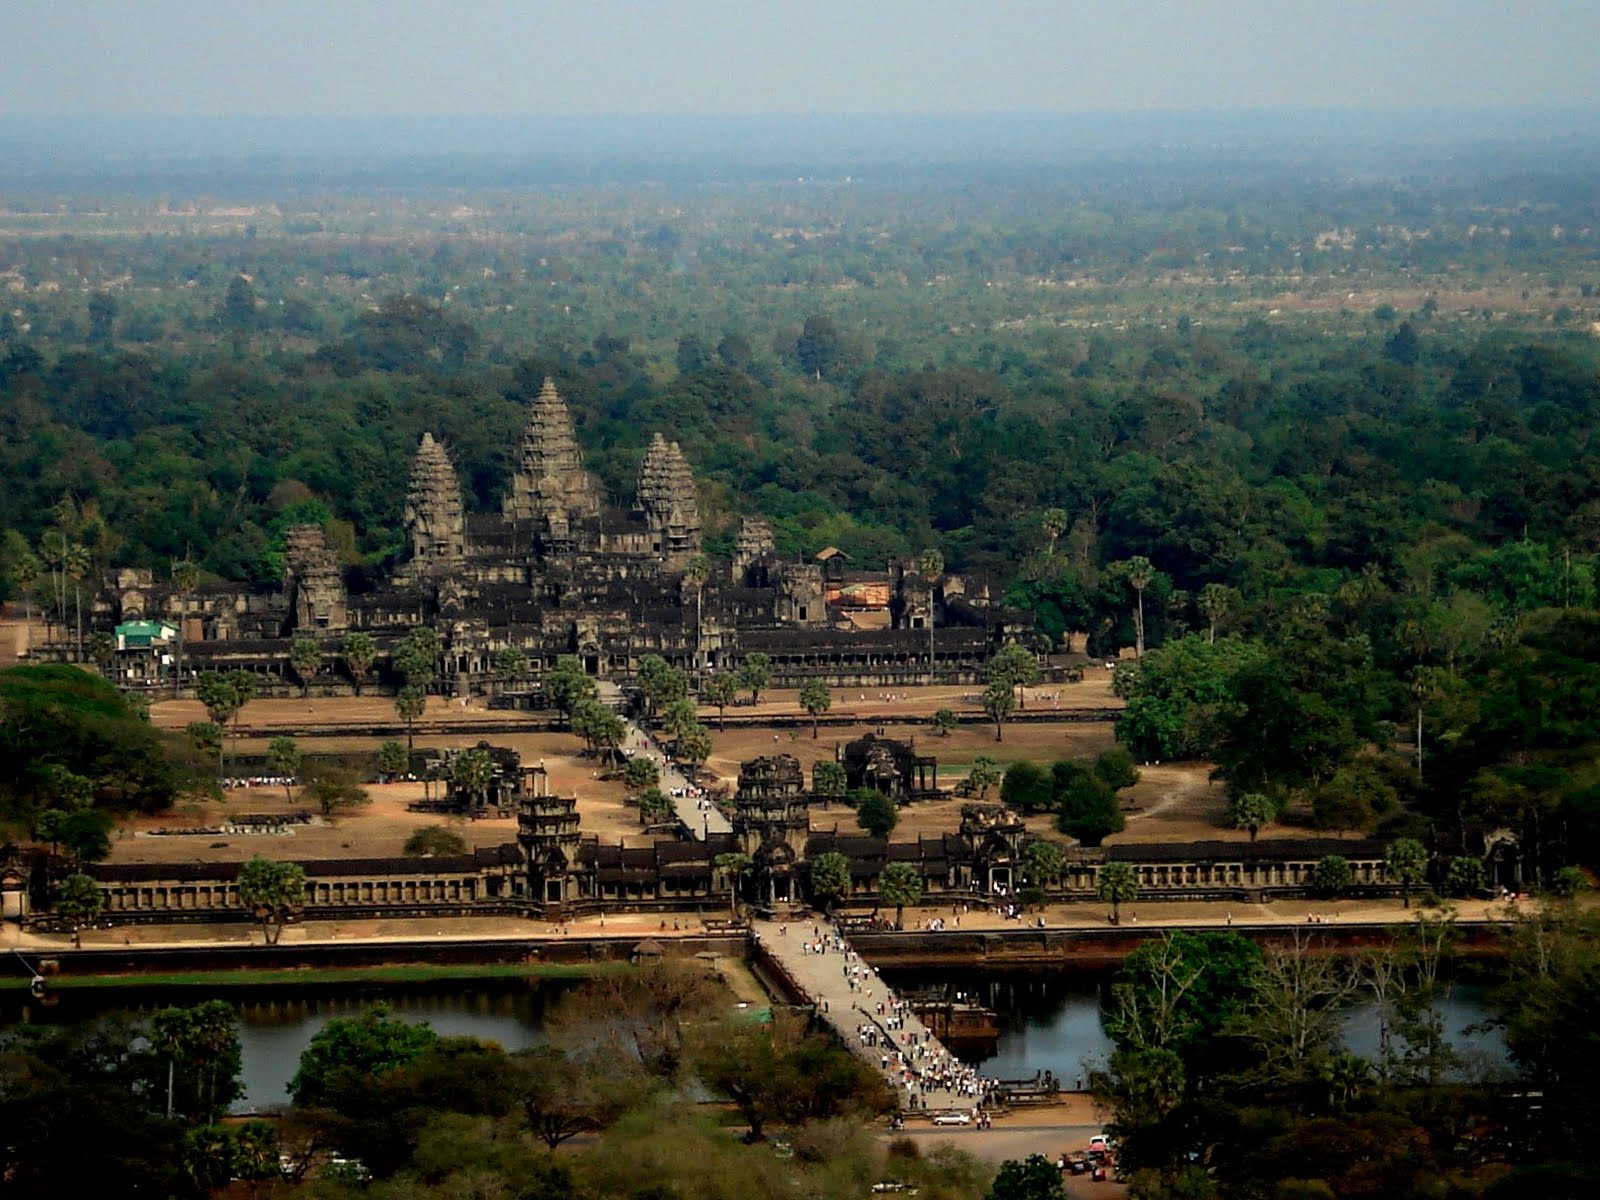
<point>953,1118</point>
<point>1100,1142</point>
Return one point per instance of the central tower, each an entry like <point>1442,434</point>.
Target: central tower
<point>551,490</point>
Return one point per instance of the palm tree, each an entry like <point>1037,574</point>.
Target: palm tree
<point>185,576</point>
<point>1407,861</point>
<point>1216,601</point>
<point>900,885</point>
<point>735,864</point>
<point>52,552</point>
<point>75,564</point>
<point>1115,886</point>
<point>473,773</point>
<point>1054,523</point>
<point>360,652</point>
<point>816,700</point>
<point>409,703</point>
<point>1140,574</point>
<point>305,656</point>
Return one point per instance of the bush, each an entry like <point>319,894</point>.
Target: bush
<point>1086,806</point>
<point>1116,769</point>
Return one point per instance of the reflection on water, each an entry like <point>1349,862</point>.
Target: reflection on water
<point>1050,1021</point>
<point>274,1032</point>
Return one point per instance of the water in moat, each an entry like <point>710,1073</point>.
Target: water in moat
<point>1049,1021</point>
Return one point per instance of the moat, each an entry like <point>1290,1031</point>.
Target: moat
<point>1049,1021</point>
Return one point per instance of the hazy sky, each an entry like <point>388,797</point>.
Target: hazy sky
<point>504,57</point>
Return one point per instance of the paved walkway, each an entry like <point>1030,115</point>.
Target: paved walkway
<point>699,817</point>
<point>851,997</point>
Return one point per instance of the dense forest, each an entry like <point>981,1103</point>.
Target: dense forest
<point>1322,445</point>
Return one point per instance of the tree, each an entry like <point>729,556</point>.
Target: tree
<point>78,900</point>
<point>222,701</point>
<point>755,672</point>
<point>693,745</point>
<point>1034,1178</point>
<point>734,865</point>
<point>409,705</point>
<point>1042,863</point>
<point>875,812</point>
<point>829,877</point>
<point>75,563</point>
<point>305,656</point>
<point>720,690</point>
<point>393,759</point>
<point>1332,875</point>
<point>1086,806</point>
<point>1352,798</point>
<point>695,574</point>
<point>434,840</point>
<point>900,885</point>
<point>983,775</point>
<point>273,892</point>
<point>238,313</point>
<point>102,320</point>
<point>359,652</point>
<point>284,758</point>
<point>820,347</point>
<point>472,773</point>
<point>1016,667</point>
<point>561,1096</point>
<point>206,738</point>
<point>200,1045</point>
<point>1140,573</point>
<point>828,779</point>
<point>654,805</point>
<point>1116,885</point>
<point>1026,788</point>
<point>1251,810</point>
<point>416,656</point>
<point>816,699</point>
<point>334,790</point>
<point>999,700</point>
<point>511,662</point>
<point>340,1069</point>
<point>85,834</point>
<point>565,687</point>
<point>1216,601</point>
<point>943,722</point>
<point>678,717</point>
<point>1465,877</point>
<point>662,683</point>
<point>1406,861</point>
<point>640,773</point>
<point>224,696</point>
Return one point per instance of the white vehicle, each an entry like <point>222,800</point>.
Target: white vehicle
<point>953,1118</point>
<point>1101,1144</point>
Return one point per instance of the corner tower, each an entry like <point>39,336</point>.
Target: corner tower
<point>434,519</point>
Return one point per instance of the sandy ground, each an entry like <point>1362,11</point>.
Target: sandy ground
<point>874,703</point>
<point>1081,915</point>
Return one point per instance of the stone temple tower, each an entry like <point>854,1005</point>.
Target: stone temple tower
<point>551,490</point>
<point>667,499</point>
<point>433,515</point>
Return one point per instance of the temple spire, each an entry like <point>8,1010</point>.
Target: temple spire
<point>550,486</point>
<point>433,515</point>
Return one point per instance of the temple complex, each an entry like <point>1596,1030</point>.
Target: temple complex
<point>558,571</point>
